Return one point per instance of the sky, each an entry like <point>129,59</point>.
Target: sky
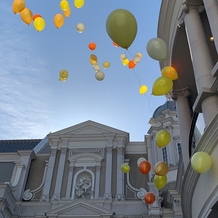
<point>33,102</point>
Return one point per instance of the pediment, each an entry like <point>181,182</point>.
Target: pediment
<point>88,128</point>
<point>80,208</point>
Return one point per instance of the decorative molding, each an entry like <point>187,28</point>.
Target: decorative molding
<point>29,194</point>
<point>86,150</point>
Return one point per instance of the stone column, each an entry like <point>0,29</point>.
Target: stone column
<point>211,7</point>
<point>184,120</point>
<point>120,175</point>
<point>202,64</point>
<point>70,178</point>
<point>97,179</point>
<point>108,178</point>
<point>48,177</point>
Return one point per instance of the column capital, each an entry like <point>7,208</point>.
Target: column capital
<point>109,150</point>
<point>63,150</point>
<point>180,93</point>
<point>186,8</point>
<point>120,150</point>
<point>53,152</point>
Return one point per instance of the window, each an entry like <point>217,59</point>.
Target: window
<point>164,153</point>
<point>178,148</point>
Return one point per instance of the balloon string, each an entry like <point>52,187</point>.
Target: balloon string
<point>129,52</point>
<point>137,77</point>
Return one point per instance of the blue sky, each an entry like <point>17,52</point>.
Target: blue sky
<point>34,102</point>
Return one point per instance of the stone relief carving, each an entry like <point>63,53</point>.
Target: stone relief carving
<point>83,188</point>
<point>86,150</point>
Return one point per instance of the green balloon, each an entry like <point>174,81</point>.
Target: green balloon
<point>121,27</point>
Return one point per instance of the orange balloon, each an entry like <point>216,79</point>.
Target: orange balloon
<point>26,16</point>
<point>144,167</point>
<point>149,198</point>
<point>92,46</point>
<point>18,6</point>
<point>58,20</point>
<point>131,64</point>
<point>35,16</point>
<point>67,12</point>
<point>115,44</point>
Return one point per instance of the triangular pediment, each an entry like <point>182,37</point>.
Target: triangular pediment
<point>89,128</point>
<point>80,208</point>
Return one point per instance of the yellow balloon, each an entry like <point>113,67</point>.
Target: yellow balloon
<point>93,57</point>
<point>162,138</point>
<point>125,168</point>
<point>106,64</point>
<point>39,23</point>
<point>63,74</point>
<point>170,72</point>
<point>64,4</point>
<point>67,12</point>
<point>79,3</point>
<point>160,181</point>
<point>125,62</point>
<point>201,162</point>
<point>93,62</point>
<point>18,6</point>
<point>162,86</point>
<point>58,20</point>
<point>143,89</point>
<point>62,79</point>
<point>157,49</point>
<point>26,16</point>
<point>161,168</point>
<point>121,27</point>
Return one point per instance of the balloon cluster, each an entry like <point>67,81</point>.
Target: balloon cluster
<point>99,75</point>
<point>26,15</point>
<point>157,50</point>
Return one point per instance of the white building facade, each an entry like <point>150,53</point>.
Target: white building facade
<point>75,172</point>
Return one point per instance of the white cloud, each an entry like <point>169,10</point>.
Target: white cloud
<point>24,111</point>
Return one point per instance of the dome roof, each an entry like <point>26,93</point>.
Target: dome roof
<point>168,105</point>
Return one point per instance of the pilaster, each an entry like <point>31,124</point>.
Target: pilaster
<point>97,180</point>
<point>70,179</point>
<point>108,179</point>
<point>58,184</point>
<point>48,177</point>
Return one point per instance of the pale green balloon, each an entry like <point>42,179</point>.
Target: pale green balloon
<point>162,86</point>
<point>157,49</point>
<point>201,162</point>
<point>121,27</point>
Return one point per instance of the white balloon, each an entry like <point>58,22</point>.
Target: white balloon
<point>122,57</point>
<point>99,76</point>
<point>96,68</point>
<point>136,58</point>
<point>140,160</point>
<point>80,27</point>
